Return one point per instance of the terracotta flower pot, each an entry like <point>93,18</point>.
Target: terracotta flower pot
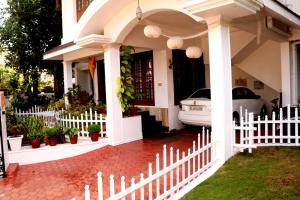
<point>94,136</point>
<point>73,139</point>
<point>35,143</point>
<point>52,141</point>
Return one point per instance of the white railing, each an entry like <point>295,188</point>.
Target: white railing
<point>175,175</point>
<point>82,122</point>
<point>277,131</point>
<point>47,115</point>
<point>51,117</point>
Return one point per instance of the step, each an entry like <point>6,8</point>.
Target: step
<point>12,170</point>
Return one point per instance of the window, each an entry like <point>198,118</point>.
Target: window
<point>142,72</point>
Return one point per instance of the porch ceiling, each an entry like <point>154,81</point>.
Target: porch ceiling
<point>174,23</point>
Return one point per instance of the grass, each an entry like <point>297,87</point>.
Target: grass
<point>268,173</point>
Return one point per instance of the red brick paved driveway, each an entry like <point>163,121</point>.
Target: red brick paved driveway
<point>64,179</point>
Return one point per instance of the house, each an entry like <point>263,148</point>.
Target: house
<point>250,42</point>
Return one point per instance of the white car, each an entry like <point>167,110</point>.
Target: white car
<point>196,109</point>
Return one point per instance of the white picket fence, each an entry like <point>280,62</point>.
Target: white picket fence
<point>51,117</point>
<point>253,133</point>
<point>47,115</point>
<point>174,177</point>
<point>82,122</point>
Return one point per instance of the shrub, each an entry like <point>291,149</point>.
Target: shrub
<point>35,135</point>
<point>94,128</point>
<point>71,131</point>
<point>30,124</point>
<point>57,105</point>
<point>51,132</point>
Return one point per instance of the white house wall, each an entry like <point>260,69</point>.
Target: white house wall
<point>267,93</point>
<point>160,78</point>
<point>82,77</point>
<point>264,64</point>
<point>69,20</point>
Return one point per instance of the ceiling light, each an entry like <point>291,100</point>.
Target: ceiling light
<point>175,43</point>
<point>193,52</point>
<point>152,31</point>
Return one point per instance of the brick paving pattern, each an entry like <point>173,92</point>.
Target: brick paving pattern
<point>65,179</point>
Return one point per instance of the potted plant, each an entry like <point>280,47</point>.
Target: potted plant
<point>51,134</point>
<point>73,134</point>
<point>15,142</point>
<point>35,137</point>
<point>93,130</point>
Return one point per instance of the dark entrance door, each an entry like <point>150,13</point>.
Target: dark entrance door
<point>101,81</point>
<point>189,75</point>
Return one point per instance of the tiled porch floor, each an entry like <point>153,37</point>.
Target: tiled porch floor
<point>65,179</point>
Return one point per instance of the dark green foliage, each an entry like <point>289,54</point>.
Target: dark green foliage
<point>94,128</point>
<point>24,103</point>
<point>35,135</point>
<point>51,132</point>
<point>30,28</point>
<point>71,131</point>
<point>78,97</point>
<point>29,126</point>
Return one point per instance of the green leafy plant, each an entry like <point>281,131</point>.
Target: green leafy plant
<point>29,125</point>
<point>51,132</point>
<point>77,96</point>
<point>125,91</point>
<point>57,105</point>
<point>94,128</point>
<point>35,134</point>
<point>71,131</point>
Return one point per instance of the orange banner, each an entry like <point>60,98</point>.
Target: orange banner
<point>2,101</point>
<point>92,65</point>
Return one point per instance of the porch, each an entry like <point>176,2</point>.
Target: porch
<point>65,179</point>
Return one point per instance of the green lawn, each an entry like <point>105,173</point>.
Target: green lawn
<point>268,173</point>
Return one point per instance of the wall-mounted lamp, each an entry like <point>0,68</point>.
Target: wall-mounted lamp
<point>170,64</point>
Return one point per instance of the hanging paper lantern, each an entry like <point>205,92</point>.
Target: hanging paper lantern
<point>152,31</point>
<point>175,43</point>
<point>193,52</point>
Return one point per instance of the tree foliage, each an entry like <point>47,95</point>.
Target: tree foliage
<point>30,28</point>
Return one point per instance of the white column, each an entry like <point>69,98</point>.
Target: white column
<point>69,20</point>
<point>95,84</point>
<point>4,131</point>
<point>221,86</point>
<point>285,74</point>
<point>67,78</point>
<point>113,106</point>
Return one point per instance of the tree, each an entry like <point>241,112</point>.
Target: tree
<point>31,28</point>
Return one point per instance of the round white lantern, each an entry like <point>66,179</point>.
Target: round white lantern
<point>175,43</point>
<point>152,31</point>
<point>193,52</point>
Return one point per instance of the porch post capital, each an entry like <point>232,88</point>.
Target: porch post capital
<point>112,45</point>
<point>216,21</point>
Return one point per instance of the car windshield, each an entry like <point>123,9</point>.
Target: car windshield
<point>202,93</point>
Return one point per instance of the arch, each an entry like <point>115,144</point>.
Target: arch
<point>116,19</point>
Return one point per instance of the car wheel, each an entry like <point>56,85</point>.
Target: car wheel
<point>236,118</point>
<point>263,112</point>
